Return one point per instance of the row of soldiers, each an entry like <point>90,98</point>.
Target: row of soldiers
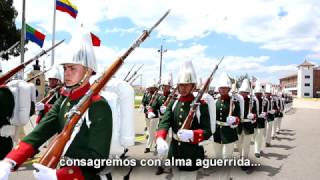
<point>231,118</point>
<point>225,120</point>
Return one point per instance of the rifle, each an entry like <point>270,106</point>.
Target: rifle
<point>135,72</point>
<point>37,75</point>
<point>128,73</point>
<point>233,97</point>
<point>46,99</point>
<point>5,77</point>
<point>166,103</point>
<point>55,150</point>
<point>196,102</point>
<point>135,79</point>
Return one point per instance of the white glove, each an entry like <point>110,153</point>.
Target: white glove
<point>151,115</point>
<point>44,172</point>
<point>185,135</point>
<point>231,120</point>
<point>263,115</point>
<point>5,169</point>
<point>162,147</point>
<point>272,111</point>
<point>163,109</point>
<point>39,106</point>
<point>141,108</point>
<point>7,130</point>
<point>250,116</point>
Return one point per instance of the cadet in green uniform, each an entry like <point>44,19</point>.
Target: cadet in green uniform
<point>6,112</point>
<point>184,144</point>
<point>93,139</point>
<point>152,116</point>
<point>245,128</point>
<point>55,80</point>
<point>227,120</point>
<point>270,115</point>
<point>261,120</point>
<point>166,84</point>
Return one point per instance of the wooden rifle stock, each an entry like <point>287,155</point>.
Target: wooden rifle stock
<point>196,102</point>
<point>166,103</point>
<point>46,99</point>
<point>5,77</point>
<point>54,152</point>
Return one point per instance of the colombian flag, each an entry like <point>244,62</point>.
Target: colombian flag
<point>66,6</point>
<point>34,35</point>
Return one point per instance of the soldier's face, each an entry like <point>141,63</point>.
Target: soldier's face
<point>185,89</point>
<point>73,73</point>
<point>53,82</point>
<point>224,91</point>
<point>244,94</point>
<point>166,88</point>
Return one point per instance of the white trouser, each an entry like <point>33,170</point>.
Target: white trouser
<point>19,133</point>
<point>258,140</point>
<point>278,125</point>
<point>183,175</point>
<point>224,151</point>
<point>244,144</point>
<point>151,131</point>
<point>147,125</point>
<point>268,131</point>
<point>273,127</point>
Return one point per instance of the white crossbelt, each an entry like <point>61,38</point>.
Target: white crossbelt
<point>246,120</point>
<point>220,123</point>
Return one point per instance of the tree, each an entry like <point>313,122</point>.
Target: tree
<point>9,34</point>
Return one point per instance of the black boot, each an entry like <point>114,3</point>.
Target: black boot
<point>160,170</point>
<point>147,150</point>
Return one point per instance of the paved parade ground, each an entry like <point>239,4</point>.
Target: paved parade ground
<point>294,154</point>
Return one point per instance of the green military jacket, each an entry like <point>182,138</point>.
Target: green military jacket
<point>91,142</point>
<point>270,117</point>
<point>145,102</point>
<point>260,122</point>
<point>247,127</point>
<point>158,103</point>
<point>225,134</point>
<point>174,118</point>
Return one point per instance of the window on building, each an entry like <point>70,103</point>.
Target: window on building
<point>306,94</point>
<point>306,84</point>
<point>307,77</point>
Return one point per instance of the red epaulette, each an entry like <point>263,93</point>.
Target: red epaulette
<point>96,98</point>
<point>203,102</point>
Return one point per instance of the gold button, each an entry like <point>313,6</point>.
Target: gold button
<point>70,171</point>
<point>181,109</point>
<point>180,123</point>
<point>182,104</point>
<point>180,116</point>
<point>222,100</point>
<point>200,135</point>
<point>220,109</point>
<point>221,113</point>
<point>75,178</point>
<point>199,140</point>
<point>68,104</point>
<point>220,118</point>
<point>179,143</point>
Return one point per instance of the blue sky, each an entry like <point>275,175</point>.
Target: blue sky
<point>267,39</point>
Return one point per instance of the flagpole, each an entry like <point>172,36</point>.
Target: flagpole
<point>23,32</point>
<point>53,32</point>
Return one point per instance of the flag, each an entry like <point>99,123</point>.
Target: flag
<point>34,35</point>
<point>95,40</point>
<point>66,6</point>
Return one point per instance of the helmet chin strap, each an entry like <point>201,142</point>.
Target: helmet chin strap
<point>83,81</point>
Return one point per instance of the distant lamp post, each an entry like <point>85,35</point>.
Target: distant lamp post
<point>161,51</point>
